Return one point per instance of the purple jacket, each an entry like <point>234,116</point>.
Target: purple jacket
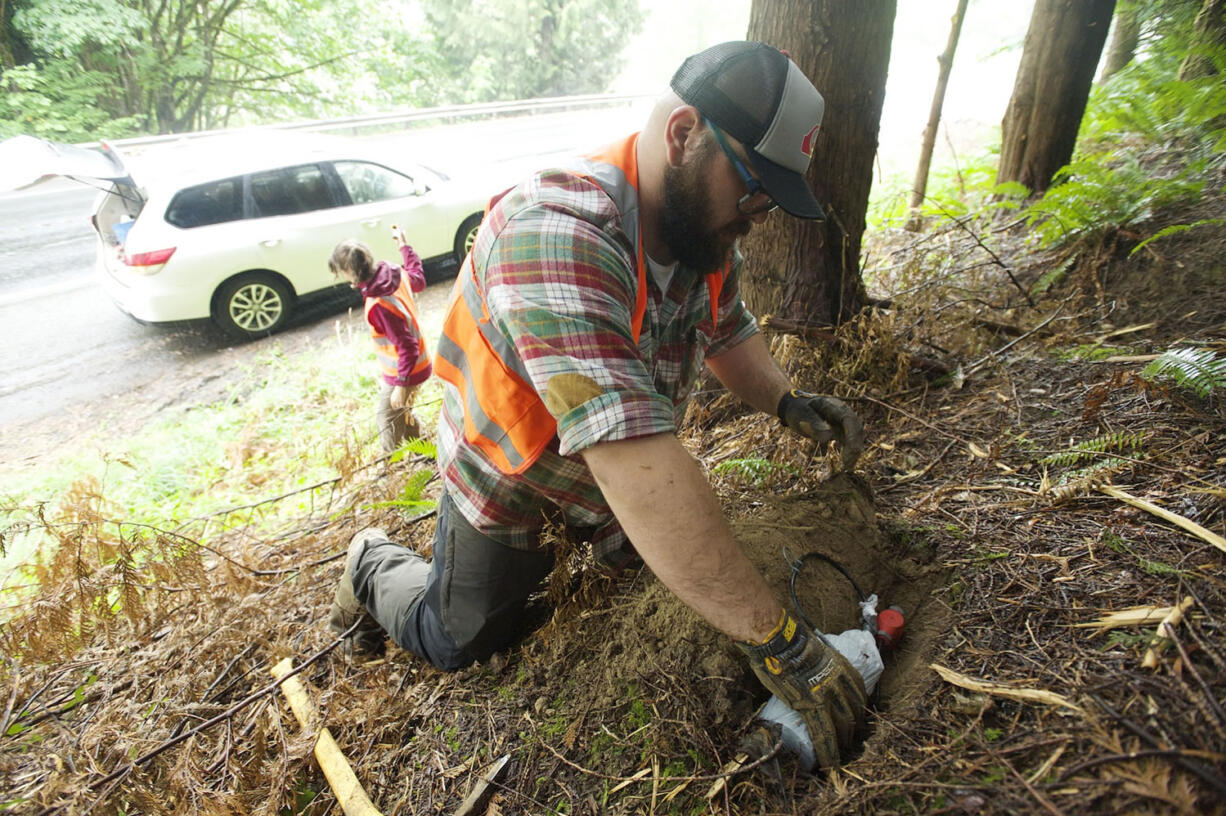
<point>396,328</point>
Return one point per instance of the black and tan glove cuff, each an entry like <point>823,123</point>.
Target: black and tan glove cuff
<point>782,646</point>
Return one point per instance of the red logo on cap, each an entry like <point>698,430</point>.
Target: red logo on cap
<point>806,144</point>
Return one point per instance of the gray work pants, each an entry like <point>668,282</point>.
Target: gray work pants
<point>395,424</point>
<point>459,609</point>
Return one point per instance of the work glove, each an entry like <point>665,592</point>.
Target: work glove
<point>815,681</point>
<point>822,419</point>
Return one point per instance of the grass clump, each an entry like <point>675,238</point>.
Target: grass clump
<point>290,426</point>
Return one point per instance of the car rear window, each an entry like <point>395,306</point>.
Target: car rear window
<point>214,203</point>
<point>290,190</point>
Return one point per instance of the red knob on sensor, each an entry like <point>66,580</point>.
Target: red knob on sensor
<point>890,623</point>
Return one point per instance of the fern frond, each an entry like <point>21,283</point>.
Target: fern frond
<point>416,485</point>
<point>1097,193</point>
<point>1201,370</point>
<point>421,447</point>
<point>1174,229</point>
<point>1120,442</point>
<point>1087,478</point>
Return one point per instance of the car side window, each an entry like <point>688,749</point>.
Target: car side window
<point>367,182</point>
<point>214,203</point>
<point>290,190</point>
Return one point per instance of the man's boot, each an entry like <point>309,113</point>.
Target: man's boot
<point>369,638</point>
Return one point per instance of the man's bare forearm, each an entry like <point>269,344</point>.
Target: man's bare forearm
<point>667,508</point>
<point>749,371</point>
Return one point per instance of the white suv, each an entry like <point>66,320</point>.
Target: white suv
<point>238,228</point>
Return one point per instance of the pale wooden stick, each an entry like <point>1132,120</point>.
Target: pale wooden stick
<point>1174,518</point>
<point>730,768</point>
<point>1000,690</point>
<point>1150,661</point>
<point>1136,616</point>
<point>480,795</point>
<point>345,785</point>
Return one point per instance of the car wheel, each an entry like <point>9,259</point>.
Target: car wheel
<point>465,235</point>
<point>253,305</point>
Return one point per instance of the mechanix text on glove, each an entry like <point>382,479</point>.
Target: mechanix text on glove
<point>816,681</point>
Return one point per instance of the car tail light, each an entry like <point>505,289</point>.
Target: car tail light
<point>148,262</point>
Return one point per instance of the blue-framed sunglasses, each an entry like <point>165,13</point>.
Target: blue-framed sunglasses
<point>757,200</point>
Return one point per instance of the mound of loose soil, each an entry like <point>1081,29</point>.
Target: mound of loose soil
<point>629,677</point>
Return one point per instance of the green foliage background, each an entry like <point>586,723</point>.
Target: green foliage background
<point>75,70</point>
<point>1152,140</point>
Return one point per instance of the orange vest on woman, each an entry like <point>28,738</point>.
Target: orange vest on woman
<point>399,302</point>
<point>504,416</point>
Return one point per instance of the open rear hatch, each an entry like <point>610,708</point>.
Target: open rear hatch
<point>26,161</point>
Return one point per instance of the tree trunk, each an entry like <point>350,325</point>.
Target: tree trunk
<point>808,271</point>
<point>946,63</point>
<point>1053,82</point>
<point>14,50</point>
<point>1124,39</point>
<point>1209,36</point>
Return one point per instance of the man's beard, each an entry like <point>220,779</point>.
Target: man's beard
<point>683,223</point>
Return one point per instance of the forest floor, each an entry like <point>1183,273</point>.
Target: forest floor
<point>997,505</point>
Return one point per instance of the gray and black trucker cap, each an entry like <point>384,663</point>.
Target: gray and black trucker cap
<point>757,95</point>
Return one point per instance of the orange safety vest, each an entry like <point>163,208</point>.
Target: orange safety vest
<point>504,416</point>
<point>399,302</point>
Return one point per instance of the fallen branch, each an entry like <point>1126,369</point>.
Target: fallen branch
<point>973,367</point>
<point>344,783</point>
<point>1009,692</point>
<point>1174,518</point>
<point>998,327</point>
<point>961,224</point>
<point>490,776</point>
<point>1182,758</point>
<point>1165,631</point>
<point>1136,616</point>
<point>912,477</point>
<point>785,326</point>
<point>1133,756</point>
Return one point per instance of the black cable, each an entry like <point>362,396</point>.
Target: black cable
<point>798,563</point>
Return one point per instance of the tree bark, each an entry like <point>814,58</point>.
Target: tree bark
<point>1209,35</point>
<point>808,271</point>
<point>1124,38</point>
<point>946,63</point>
<point>1062,47</point>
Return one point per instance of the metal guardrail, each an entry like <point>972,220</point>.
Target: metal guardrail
<point>444,112</point>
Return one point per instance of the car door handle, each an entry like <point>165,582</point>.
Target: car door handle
<point>270,242</point>
<point>373,222</point>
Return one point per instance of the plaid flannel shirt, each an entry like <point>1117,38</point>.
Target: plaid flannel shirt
<point>560,281</point>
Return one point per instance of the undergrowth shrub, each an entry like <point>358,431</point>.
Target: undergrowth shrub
<point>1097,193</point>
<point>957,189</point>
<point>1149,141</point>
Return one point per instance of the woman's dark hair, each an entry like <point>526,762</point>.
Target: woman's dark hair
<point>354,257</point>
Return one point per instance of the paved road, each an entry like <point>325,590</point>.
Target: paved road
<point>66,347</point>
<point>65,344</point>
